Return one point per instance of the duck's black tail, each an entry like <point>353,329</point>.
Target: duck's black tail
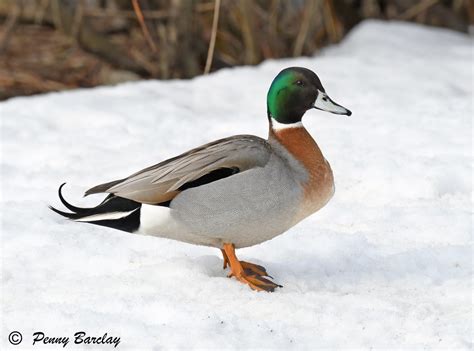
<point>114,212</point>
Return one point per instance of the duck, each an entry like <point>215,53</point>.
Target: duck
<point>231,193</point>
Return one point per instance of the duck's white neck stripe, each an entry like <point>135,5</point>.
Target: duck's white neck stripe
<point>279,126</point>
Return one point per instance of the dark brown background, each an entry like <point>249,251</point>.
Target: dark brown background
<point>48,45</point>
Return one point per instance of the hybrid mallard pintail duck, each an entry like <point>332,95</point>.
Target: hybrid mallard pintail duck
<point>234,192</point>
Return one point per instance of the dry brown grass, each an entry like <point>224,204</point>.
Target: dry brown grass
<point>52,44</point>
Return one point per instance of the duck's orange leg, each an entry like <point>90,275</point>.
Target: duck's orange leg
<point>245,272</point>
<point>226,259</point>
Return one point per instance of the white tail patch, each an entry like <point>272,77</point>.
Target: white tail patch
<point>105,216</point>
<point>155,219</point>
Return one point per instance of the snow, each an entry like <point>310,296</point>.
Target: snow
<point>386,264</point>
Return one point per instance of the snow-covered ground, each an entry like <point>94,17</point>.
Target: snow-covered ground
<point>386,264</point>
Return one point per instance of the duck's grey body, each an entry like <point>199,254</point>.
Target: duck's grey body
<point>261,201</point>
<point>246,209</point>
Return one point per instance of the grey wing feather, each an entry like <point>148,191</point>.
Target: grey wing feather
<point>162,181</point>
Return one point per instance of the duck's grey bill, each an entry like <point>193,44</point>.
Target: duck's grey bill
<point>324,103</point>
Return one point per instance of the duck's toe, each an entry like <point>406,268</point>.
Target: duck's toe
<point>255,269</point>
<point>258,282</point>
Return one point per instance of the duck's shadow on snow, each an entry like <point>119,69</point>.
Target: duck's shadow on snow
<point>211,265</point>
<point>346,265</point>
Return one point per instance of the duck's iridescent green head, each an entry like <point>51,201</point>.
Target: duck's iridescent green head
<point>294,91</point>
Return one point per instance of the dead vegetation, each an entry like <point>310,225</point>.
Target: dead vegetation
<point>48,45</point>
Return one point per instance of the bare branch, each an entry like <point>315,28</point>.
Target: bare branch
<point>10,23</point>
<point>141,20</point>
<point>417,9</point>
<point>212,43</point>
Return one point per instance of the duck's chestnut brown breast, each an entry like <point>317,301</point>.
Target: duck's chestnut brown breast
<point>319,187</point>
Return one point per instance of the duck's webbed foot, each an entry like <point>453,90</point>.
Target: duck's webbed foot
<point>248,273</point>
<point>255,269</point>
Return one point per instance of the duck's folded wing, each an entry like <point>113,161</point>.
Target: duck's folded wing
<point>162,182</point>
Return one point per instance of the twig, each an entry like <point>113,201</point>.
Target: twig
<point>205,7</point>
<point>141,20</point>
<point>333,27</point>
<point>415,10</point>
<point>31,80</point>
<point>78,16</point>
<point>10,23</point>
<point>141,58</point>
<point>147,14</point>
<point>39,15</point>
<point>247,21</point>
<point>164,57</point>
<point>303,32</point>
<point>273,18</point>
<point>212,43</point>
<point>57,18</point>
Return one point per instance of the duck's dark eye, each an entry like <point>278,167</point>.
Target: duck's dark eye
<point>299,82</point>
<point>325,98</point>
